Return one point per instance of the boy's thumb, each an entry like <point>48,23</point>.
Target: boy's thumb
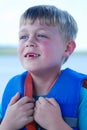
<point>14,99</point>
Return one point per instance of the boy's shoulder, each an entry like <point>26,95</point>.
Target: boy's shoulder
<point>74,73</point>
<point>15,84</point>
<point>20,76</point>
<point>79,76</point>
<point>23,74</point>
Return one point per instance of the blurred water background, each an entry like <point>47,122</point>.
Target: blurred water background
<point>10,66</point>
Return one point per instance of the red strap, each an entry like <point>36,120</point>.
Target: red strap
<point>28,91</point>
<point>85,83</point>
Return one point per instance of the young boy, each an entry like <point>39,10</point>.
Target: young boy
<point>46,96</point>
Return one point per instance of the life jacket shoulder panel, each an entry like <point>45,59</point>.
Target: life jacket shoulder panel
<point>66,91</point>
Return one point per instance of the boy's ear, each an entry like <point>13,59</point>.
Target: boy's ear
<point>71,45</point>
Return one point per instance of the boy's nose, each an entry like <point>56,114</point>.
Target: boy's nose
<point>31,43</point>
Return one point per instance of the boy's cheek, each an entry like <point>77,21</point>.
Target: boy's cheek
<point>20,50</point>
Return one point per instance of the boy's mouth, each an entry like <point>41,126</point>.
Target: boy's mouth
<point>32,55</point>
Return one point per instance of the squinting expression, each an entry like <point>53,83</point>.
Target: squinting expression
<point>41,47</point>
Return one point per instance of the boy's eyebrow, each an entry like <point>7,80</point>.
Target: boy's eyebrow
<point>38,29</point>
<point>23,30</point>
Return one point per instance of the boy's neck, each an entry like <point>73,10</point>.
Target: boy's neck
<point>43,83</point>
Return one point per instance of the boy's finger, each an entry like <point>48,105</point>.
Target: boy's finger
<point>14,99</point>
<point>42,100</point>
<point>52,101</point>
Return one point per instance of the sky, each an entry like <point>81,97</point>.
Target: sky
<point>11,10</point>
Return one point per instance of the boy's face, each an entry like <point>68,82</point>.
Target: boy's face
<point>41,48</point>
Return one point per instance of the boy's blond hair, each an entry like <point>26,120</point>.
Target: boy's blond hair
<point>51,15</point>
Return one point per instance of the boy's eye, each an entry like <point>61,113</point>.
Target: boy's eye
<point>24,37</point>
<point>41,36</point>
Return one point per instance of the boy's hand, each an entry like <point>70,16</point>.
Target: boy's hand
<point>19,112</point>
<point>48,115</point>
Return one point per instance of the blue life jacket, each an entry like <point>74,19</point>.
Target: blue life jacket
<point>66,92</point>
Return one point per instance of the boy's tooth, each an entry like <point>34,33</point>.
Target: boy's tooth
<point>31,55</point>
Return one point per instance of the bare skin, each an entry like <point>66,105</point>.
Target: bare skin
<point>46,113</point>
<point>42,51</point>
<point>18,114</point>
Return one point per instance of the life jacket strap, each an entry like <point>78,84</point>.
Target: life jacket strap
<point>28,91</point>
<point>85,83</point>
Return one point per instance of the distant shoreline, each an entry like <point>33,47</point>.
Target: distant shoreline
<point>8,51</point>
<point>13,51</point>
